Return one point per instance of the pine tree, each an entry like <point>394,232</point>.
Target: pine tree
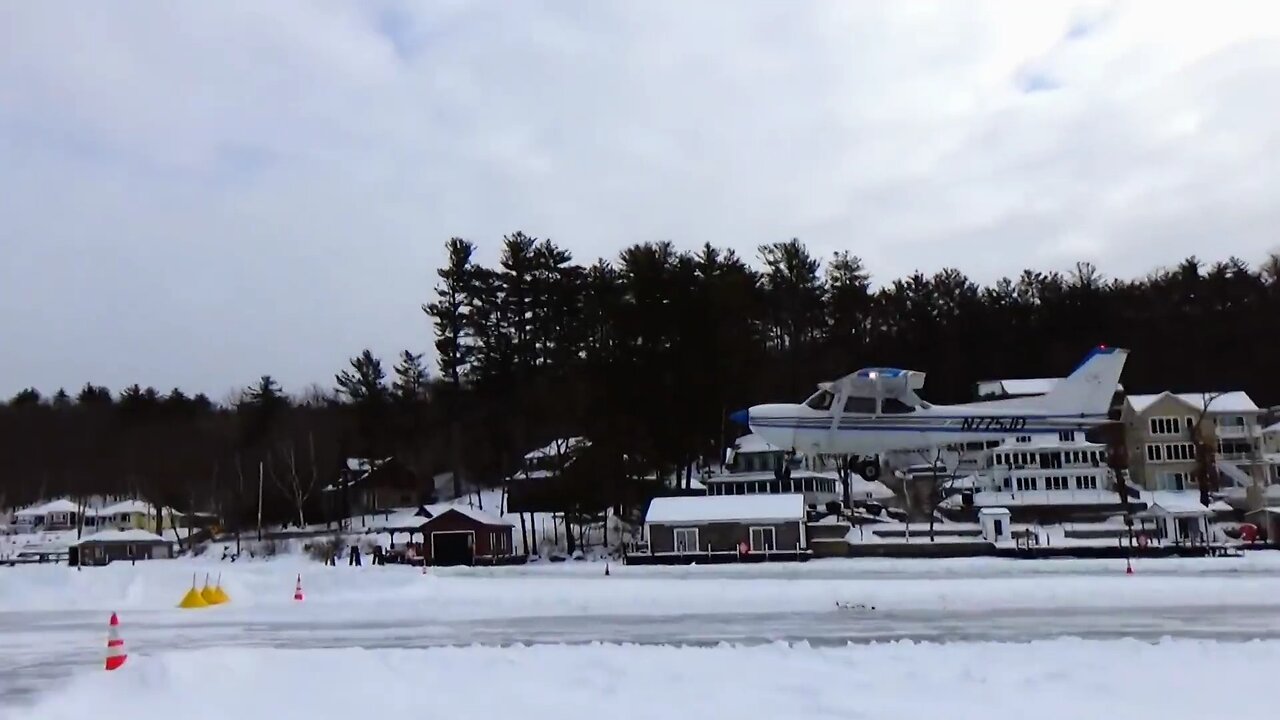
<point>455,349</point>
<point>451,311</point>
<point>30,397</point>
<point>96,395</point>
<point>368,383</point>
<point>411,381</point>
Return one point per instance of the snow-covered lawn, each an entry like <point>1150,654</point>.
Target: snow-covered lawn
<point>1067,679</point>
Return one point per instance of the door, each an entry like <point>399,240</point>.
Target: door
<point>453,548</point>
<point>686,540</point>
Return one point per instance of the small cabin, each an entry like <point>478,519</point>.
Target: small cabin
<point>463,535</point>
<point>687,529</point>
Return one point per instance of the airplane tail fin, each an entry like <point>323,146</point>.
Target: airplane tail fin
<point>1089,388</point>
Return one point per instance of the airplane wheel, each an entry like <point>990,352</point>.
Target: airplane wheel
<point>869,469</point>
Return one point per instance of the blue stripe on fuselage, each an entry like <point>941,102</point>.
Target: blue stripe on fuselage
<point>1029,430</point>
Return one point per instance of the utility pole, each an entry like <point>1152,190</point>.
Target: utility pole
<point>259,501</point>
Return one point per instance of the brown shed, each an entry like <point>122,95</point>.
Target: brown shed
<point>463,535</point>
<point>764,525</point>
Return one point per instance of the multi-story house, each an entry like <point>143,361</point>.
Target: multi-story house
<point>1043,477</point>
<point>1163,432</point>
<point>752,467</point>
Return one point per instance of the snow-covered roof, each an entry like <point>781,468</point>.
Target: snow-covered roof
<point>133,535</point>
<point>1271,429</point>
<point>994,511</point>
<point>1234,401</point>
<point>126,507</point>
<point>858,486</point>
<point>364,464</point>
<point>753,443</point>
<point>402,519</point>
<point>726,508</point>
<point>59,505</point>
<point>479,516</point>
<point>1174,502</point>
<point>560,446</point>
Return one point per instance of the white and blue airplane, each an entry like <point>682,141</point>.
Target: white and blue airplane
<point>876,410</point>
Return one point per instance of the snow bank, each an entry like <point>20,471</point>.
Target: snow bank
<point>1047,680</point>
<point>265,589</point>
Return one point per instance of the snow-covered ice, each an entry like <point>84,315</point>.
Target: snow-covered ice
<point>598,642</point>
<point>1068,679</point>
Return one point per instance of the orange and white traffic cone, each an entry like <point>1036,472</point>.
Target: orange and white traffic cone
<point>297,590</point>
<point>115,646</point>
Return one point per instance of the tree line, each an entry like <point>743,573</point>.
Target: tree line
<point>645,354</point>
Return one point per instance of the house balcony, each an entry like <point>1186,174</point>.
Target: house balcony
<point>1241,458</point>
<point>1237,431</point>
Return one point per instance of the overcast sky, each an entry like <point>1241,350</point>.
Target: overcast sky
<point>195,194</point>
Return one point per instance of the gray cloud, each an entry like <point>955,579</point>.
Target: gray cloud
<point>195,195</point>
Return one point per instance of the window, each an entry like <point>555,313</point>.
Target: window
<point>1171,452</point>
<point>1174,481</point>
<point>820,400</point>
<point>860,405</point>
<point>762,539</point>
<point>1024,439</point>
<point>1164,425</point>
<point>686,540</point>
<point>1026,483</point>
<point>1067,436</point>
<point>1086,482</point>
<point>1055,482</point>
<point>1235,447</point>
<point>894,406</point>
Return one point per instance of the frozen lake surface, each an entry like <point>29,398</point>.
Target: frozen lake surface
<point>53,620</point>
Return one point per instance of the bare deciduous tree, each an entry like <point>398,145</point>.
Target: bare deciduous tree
<point>1204,441</point>
<point>297,482</point>
<point>940,482</point>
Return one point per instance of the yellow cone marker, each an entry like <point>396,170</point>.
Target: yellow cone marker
<point>193,599</point>
<point>219,593</point>
<point>207,593</point>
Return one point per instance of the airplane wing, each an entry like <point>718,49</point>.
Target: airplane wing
<point>890,381</point>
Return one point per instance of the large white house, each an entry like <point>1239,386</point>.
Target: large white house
<point>1060,469</point>
<point>752,467</point>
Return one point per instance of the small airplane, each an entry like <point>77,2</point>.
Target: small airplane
<point>875,410</point>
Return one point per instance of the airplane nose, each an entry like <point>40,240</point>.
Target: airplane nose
<point>741,417</point>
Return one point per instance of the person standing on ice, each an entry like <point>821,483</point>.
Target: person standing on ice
<point>354,557</point>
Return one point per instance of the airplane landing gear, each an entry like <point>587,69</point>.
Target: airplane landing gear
<point>868,466</point>
<point>783,472</point>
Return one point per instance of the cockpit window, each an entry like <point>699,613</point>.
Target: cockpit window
<point>820,400</point>
<point>860,405</point>
<point>894,406</point>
